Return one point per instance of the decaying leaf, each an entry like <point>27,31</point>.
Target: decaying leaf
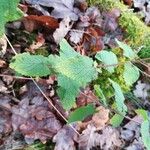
<point>65,139</point>
<point>62,8</point>
<point>100,118</point>
<point>108,139</point>
<point>35,121</point>
<point>33,22</point>
<point>3,46</point>
<point>63,29</point>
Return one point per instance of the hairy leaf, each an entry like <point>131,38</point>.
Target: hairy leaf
<point>73,71</point>
<point>8,12</point>
<point>108,58</point>
<point>81,113</point>
<point>119,97</point>
<point>31,65</point>
<point>127,51</point>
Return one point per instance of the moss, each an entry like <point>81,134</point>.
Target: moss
<point>42,51</point>
<point>136,32</point>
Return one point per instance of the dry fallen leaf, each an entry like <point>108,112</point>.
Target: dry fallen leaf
<point>3,46</point>
<point>63,29</point>
<point>61,8</point>
<point>100,118</point>
<point>65,139</point>
<point>108,139</point>
<point>33,22</point>
<point>35,120</point>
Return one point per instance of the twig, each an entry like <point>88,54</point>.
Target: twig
<point>16,77</point>
<point>43,92</point>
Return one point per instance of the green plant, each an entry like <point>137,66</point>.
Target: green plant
<point>74,71</point>
<point>136,32</point>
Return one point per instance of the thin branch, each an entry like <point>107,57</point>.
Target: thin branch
<point>15,77</point>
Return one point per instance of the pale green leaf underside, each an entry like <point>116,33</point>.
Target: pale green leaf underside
<point>8,12</point>
<point>119,97</point>
<point>127,51</point>
<point>31,65</point>
<point>116,120</point>
<point>81,113</point>
<point>131,73</point>
<point>108,59</point>
<point>145,133</point>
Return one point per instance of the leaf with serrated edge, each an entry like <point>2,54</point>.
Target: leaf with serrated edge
<point>119,97</point>
<point>31,65</point>
<point>127,51</point>
<point>108,58</point>
<point>131,73</point>
<point>80,113</point>
<point>74,71</point>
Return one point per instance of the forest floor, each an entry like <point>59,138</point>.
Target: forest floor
<point>32,116</point>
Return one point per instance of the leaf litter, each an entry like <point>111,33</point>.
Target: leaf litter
<point>32,116</point>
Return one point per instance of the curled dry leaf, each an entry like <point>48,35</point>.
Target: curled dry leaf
<point>106,140</point>
<point>65,139</point>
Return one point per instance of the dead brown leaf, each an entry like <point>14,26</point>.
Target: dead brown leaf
<point>108,139</point>
<point>65,139</point>
<point>100,118</point>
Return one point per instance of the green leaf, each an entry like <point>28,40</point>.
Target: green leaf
<point>142,113</point>
<point>145,129</point>
<point>8,12</point>
<point>31,65</point>
<point>127,51</point>
<point>100,94</point>
<point>131,73</point>
<point>73,71</point>
<point>116,120</point>
<point>108,58</point>
<point>81,113</point>
<point>119,97</point>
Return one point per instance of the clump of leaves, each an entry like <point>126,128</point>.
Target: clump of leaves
<point>75,71</point>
